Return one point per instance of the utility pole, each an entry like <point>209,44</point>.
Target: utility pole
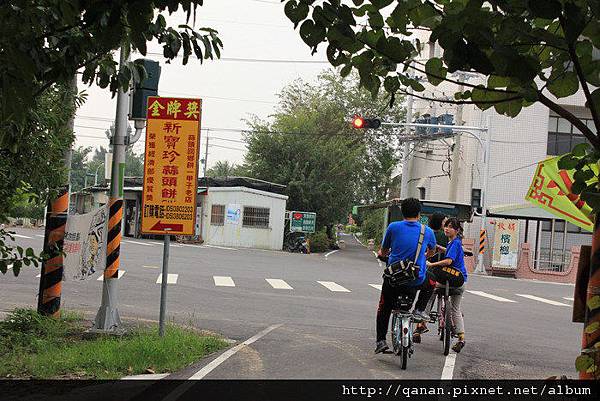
<point>50,290</point>
<point>484,194</point>
<point>455,170</point>
<point>206,157</point>
<point>108,319</point>
<point>406,148</point>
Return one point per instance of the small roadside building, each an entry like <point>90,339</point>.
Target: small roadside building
<point>231,211</point>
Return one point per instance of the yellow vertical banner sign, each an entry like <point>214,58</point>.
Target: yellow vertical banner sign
<point>551,191</point>
<point>171,165</point>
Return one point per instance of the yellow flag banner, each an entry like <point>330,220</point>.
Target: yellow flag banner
<point>551,191</point>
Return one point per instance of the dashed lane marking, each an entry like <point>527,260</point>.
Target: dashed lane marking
<point>544,300</point>
<point>40,235</point>
<point>332,286</point>
<point>278,284</point>
<point>376,286</point>
<point>568,298</point>
<point>21,236</point>
<point>490,296</point>
<point>137,243</point>
<point>120,274</point>
<point>171,278</point>
<point>223,281</point>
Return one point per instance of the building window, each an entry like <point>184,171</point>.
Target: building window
<point>217,215</point>
<point>422,193</point>
<point>563,136</point>
<point>257,217</point>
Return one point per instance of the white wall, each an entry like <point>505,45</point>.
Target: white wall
<point>238,235</point>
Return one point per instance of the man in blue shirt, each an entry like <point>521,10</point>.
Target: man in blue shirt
<point>400,243</point>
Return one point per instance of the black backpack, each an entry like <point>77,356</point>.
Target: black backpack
<point>407,270</point>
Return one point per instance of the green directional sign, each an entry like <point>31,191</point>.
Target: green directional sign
<point>303,222</point>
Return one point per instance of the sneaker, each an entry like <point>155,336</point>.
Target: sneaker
<point>381,346</point>
<point>458,346</point>
<point>420,316</point>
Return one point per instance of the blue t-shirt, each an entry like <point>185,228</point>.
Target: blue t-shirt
<point>402,238</point>
<point>455,252</point>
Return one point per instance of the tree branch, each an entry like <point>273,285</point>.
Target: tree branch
<point>509,99</point>
<point>564,113</point>
<point>584,85</point>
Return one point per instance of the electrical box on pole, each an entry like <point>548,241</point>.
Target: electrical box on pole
<point>144,89</point>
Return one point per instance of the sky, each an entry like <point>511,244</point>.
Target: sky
<point>232,89</point>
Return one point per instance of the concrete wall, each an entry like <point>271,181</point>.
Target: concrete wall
<point>238,235</point>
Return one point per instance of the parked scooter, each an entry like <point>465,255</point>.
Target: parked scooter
<point>297,244</point>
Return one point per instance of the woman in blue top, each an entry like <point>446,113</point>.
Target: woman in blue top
<point>455,257</point>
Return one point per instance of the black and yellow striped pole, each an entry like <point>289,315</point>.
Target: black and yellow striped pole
<point>113,247</point>
<point>482,241</point>
<point>49,294</point>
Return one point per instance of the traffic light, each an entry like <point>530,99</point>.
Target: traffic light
<point>148,87</point>
<point>360,122</point>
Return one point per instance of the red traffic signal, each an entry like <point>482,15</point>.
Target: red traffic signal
<point>360,122</point>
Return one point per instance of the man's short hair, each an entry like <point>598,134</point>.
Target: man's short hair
<point>436,220</point>
<point>410,207</point>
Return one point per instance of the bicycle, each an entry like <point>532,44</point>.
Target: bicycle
<point>445,326</point>
<point>402,329</point>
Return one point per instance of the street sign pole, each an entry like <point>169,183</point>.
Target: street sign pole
<point>163,285</point>
<point>108,319</point>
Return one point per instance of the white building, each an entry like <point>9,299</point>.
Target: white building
<point>517,144</point>
<point>243,217</point>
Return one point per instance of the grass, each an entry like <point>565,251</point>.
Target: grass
<point>32,346</point>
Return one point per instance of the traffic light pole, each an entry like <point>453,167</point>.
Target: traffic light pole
<point>108,319</point>
<point>406,149</point>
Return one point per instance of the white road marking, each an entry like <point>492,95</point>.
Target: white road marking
<point>544,300</point>
<point>156,376</point>
<point>137,243</point>
<point>39,235</point>
<point>155,243</point>
<point>332,286</point>
<point>227,354</point>
<point>376,286</point>
<point>21,236</point>
<point>150,267</point>
<point>39,275</point>
<point>223,281</point>
<point>278,284</point>
<point>9,267</point>
<point>490,296</point>
<point>220,247</point>
<point>330,253</point>
<point>171,278</point>
<point>192,246</point>
<point>120,274</point>
<point>449,366</point>
<point>568,298</point>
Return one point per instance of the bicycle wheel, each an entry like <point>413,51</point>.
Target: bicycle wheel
<point>405,351</point>
<point>395,332</point>
<point>447,327</point>
<point>440,314</point>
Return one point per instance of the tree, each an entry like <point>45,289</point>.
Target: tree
<point>310,147</point>
<point>79,168</point>
<point>45,42</point>
<point>526,52</point>
<point>225,169</point>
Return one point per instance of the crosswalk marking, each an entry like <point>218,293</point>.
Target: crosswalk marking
<point>137,243</point>
<point>332,286</point>
<point>278,284</point>
<point>376,286</point>
<point>490,296</point>
<point>223,281</point>
<point>171,278</point>
<point>21,236</point>
<point>547,301</point>
<point>121,274</point>
<point>568,298</point>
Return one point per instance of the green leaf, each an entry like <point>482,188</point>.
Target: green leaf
<point>594,302</point>
<point>345,71</point>
<point>591,198</point>
<point>296,11</point>
<point>29,253</point>
<point>580,149</point>
<point>565,85</point>
<point>391,84</point>
<point>583,363</point>
<point>436,72</point>
<point>591,328</point>
<point>548,9</point>
<point>312,34</point>
<point>567,162</point>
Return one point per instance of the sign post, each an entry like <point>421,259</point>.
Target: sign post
<point>303,222</point>
<point>170,174</point>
